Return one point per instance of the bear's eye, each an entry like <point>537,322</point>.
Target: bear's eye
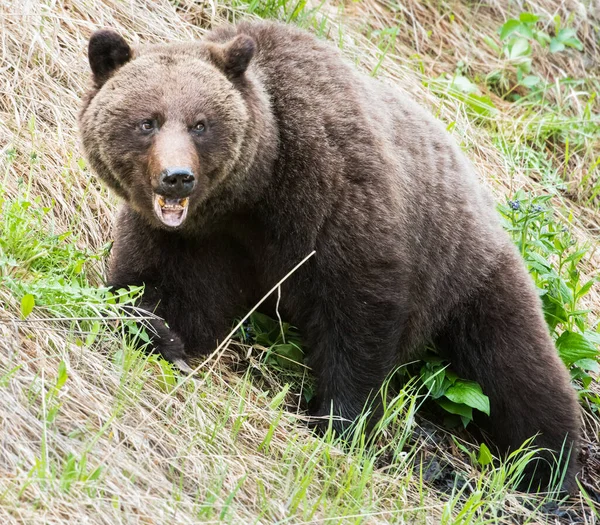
<point>147,125</point>
<point>199,127</point>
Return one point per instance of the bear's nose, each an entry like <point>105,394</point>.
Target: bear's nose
<point>176,182</point>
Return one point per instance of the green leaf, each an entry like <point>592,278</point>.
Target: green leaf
<point>574,43</point>
<point>456,408</point>
<point>289,356</point>
<point>556,46</point>
<point>585,288</point>
<point>539,259</point>
<point>491,43</point>
<point>566,294</point>
<point>573,346</point>
<point>435,380</point>
<point>62,377</point>
<point>463,84</point>
<point>543,38</point>
<point>528,18</point>
<point>509,27</point>
<point>95,474</point>
<point>91,337</point>
<point>166,380</point>
<point>69,473</point>
<point>565,34</point>
<point>519,48</point>
<point>470,394</point>
<point>525,30</point>
<point>78,268</point>
<point>530,81</point>
<point>27,304</point>
<point>279,398</point>
<point>463,89</point>
<point>590,365</point>
<point>485,456</point>
<point>481,104</point>
<point>592,336</point>
<point>554,311</point>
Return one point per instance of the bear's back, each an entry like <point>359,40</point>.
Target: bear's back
<point>362,154</point>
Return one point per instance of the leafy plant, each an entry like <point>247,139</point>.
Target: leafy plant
<point>455,395</point>
<point>553,256</point>
<point>461,88</point>
<point>287,10</point>
<point>517,39</point>
<point>49,274</point>
<point>281,341</point>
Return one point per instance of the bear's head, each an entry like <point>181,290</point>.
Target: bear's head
<point>166,125</point>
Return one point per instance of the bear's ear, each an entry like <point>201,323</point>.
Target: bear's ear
<point>107,52</point>
<point>234,56</point>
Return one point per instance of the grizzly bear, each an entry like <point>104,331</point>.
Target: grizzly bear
<point>238,155</point>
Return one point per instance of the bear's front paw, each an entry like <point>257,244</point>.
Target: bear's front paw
<point>170,346</point>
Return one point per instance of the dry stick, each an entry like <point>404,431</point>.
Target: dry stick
<point>216,352</point>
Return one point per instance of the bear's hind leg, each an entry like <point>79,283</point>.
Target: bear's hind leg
<point>499,338</point>
<point>352,347</point>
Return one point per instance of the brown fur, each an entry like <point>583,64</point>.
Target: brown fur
<point>303,153</point>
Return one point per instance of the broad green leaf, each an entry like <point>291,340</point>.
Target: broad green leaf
<point>509,27</point>
<point>574,43</point>
<point>464,90</point>
<point>576,256</point>
<point>592,336</point>
<point>456,408</point>
<point>566,293</point>
<point>481,104</point>
<point>469,393</point>
<point>78,268</point>
<point>528,18</point>
<point>530,81</point>
<point>591,365</point>
<point>573,346</point>
<point>485,456</point>
<point>27,304</point>
<point>525,30</point>
<point>542,38</point>
<point>289,356</point>
<point>94,475</point>
<point>554,311</point>
<point>463,84</point>
<point>565,34</point>
<point>519,48</point>
<point>556,46</point>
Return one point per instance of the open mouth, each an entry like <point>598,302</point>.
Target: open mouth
<point>171,212</point>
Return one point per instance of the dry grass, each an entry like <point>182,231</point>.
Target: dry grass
<point>199,454</point>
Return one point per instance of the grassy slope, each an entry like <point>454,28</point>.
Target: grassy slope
<point>93,431</point>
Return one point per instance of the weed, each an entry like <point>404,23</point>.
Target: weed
<point>517,37</point>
